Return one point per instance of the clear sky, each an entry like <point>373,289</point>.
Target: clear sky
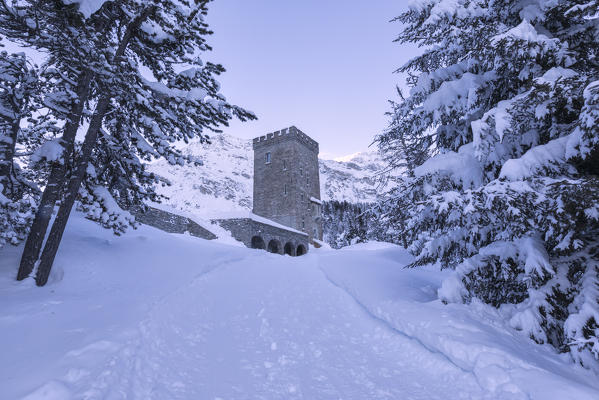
<point>325,66</point>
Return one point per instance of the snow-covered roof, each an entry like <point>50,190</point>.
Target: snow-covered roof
<point>267,221</point>
<point>257,218</point>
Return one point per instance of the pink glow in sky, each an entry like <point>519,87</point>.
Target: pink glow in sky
<point>325,66</point>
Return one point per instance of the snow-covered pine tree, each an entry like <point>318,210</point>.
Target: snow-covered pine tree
<point>348,223</point>
<point>70,43</point>
<point>502,128</point>
<point>149,116</point>
<point>19,97</point>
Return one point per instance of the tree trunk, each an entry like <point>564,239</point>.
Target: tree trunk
<point>60,223</point>
<point>56,181</point>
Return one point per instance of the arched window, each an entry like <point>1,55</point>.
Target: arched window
<point>274,246</point>
<point>258,243</point>
<point>301,250</point>
<point>289,249</point>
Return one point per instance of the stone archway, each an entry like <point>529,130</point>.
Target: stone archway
<point>258,243</point>
<point>289,249</point>
<point>274,246</point>
<point>301,250</point>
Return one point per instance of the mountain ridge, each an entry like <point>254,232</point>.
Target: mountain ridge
<point>224,183</point>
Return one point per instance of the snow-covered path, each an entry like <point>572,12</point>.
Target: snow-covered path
<point>157,316</point>
<point>271,329</point>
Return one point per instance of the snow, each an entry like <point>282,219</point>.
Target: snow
<point>151,315</point>
<point>315,200</point>
<point>257,218</point>
<point>113,210</point>
<point>462,167</point>
<point>86,7</point>
<point>462,90</point>
<point>587,309</point>
<point>223,183</point>
<point>446,9</point>
<point>267,221</point>
<point>524,31</point>
<point>547,156</point>
<point>3,199</point>
<point>50,150</point>
<point>503,119</point>
<point>195,94</point>
<point>536,256</point>
<point>555,73</point>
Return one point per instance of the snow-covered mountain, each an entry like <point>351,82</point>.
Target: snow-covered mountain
<point>224,183</point>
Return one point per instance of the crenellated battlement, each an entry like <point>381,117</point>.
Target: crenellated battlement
<point>285,134</point>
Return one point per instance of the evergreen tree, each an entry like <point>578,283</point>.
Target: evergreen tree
<point>350,223</point>
<point>500,135</point>
<point>97,59</point>
<point>72,45</point>
<point>149,115</point>
<point>19,96</point>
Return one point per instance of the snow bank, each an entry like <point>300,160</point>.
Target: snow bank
<point>475,338</point>
<point>151,315</point>
<point>100,289</point>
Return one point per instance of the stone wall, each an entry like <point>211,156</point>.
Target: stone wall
<point>246,229</point>
<point>170,222</point>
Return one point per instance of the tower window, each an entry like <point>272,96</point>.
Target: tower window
<point>268,158</point>
<point>285,190</point>
<point>301,172</point>
<point>284,165</point>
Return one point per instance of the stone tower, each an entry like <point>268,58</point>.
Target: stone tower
<point>286,180</point>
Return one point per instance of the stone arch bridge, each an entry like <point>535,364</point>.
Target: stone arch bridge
<point>267,235</point>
